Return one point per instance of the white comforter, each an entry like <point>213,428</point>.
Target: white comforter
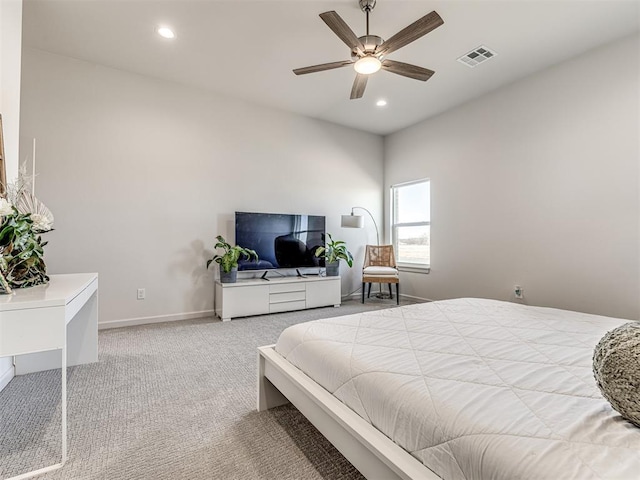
<point>475,389</point>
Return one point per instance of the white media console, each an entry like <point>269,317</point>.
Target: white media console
<point>258,296</point>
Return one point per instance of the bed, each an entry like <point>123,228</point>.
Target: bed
<point>455,389</point>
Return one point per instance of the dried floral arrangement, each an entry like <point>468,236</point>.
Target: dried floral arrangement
<point>23,218</point>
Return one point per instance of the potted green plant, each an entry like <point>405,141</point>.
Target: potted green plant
<point>228,261</point>
<point>21,248</point>
<point>333,251</point>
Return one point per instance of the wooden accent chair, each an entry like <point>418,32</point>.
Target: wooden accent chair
<point>380,267</point>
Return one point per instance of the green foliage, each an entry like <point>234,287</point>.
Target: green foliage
<point>21,252</point>
<point>229,259</point>
<point>335,250</point>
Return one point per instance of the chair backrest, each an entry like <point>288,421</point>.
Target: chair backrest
<point>379,256</point>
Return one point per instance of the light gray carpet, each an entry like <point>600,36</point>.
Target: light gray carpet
<point>170,401</point>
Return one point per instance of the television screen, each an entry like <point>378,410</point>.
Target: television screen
<point>280,240</point>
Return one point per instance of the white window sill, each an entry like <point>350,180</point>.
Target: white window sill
<point>414,268</point>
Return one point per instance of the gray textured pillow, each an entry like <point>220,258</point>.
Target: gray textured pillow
<point>616,367</point>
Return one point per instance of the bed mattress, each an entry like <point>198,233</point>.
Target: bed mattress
<point>475,388</point>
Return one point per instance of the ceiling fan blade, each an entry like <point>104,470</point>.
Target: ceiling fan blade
<point>407,70</point>
<point>341,29</point>
<point>411,33</point>
<point>359,84</point>
<point>322,67</point>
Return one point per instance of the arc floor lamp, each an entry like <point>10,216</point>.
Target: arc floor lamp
<point>357,221</point>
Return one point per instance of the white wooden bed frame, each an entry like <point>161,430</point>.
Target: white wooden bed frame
<point>368,449</point>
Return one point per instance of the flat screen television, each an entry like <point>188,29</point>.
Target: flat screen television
<point>281,240</point>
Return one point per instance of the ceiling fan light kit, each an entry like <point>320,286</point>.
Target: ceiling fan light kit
<point>369,51</point>
<point>367,65</point>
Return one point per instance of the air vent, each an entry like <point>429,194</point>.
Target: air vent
<point>477,56</point>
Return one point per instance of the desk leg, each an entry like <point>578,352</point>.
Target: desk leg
<point>52,468</point>
<point>64,404</point>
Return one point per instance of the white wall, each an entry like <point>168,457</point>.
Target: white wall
<point>141,175</point>
<point>10,48</point>
<point>536,184</point>
<point>10,54</point>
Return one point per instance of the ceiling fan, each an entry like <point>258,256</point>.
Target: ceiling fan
<point>369,51</point>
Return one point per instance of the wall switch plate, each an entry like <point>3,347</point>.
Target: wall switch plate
<point>141,294</point>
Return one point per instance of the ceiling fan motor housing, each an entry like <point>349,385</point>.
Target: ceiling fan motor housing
<point>370,43</point>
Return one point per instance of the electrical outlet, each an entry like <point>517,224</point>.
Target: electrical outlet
<point>141,294</point>
<point>518,291</point>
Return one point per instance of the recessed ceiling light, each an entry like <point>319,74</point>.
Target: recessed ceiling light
<point>381,103</point>
<point>165,32</point>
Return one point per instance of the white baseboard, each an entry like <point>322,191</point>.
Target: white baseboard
<point>129,322</point>
<point>6,377</point>
<point>421,299</point>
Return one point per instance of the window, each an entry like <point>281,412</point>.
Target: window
<point>411,223</point>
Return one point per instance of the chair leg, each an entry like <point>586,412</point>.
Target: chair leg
<point>390,291</point>
<point>363,287</point>
<point>398,293</point>
<point>369,291</point>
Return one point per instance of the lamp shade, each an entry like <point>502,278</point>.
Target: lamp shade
<point>352,221</point>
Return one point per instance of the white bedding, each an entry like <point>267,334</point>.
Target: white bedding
<point>475,389</point>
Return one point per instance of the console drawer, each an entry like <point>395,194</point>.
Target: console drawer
<point>287,297</point>
<point>287,306</point>
<point>287,287</point>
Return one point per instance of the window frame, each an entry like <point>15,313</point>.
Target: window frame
<point>407,266</point>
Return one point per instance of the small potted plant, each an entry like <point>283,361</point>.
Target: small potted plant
<point>333,251</point>
<point>21,247</point>
<point>228,261</point>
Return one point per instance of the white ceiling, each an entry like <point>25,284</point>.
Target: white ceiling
<point>247,49</point>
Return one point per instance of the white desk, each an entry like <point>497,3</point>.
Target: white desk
<point>37,321</point>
